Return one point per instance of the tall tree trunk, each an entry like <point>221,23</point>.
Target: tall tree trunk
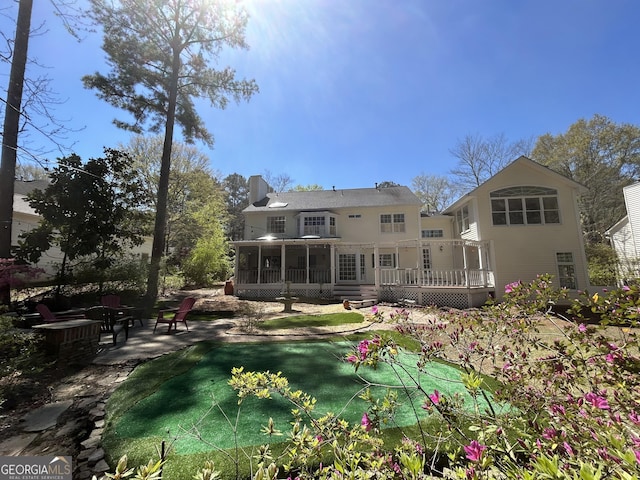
<point>10,134</point>
<point>163,187</point>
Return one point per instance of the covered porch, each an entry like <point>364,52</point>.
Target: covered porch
<point>424,271</point>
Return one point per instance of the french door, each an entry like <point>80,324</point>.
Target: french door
<point>351,267</point>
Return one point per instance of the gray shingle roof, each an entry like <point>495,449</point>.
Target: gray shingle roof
<point>335,199</point>
<point>21,187</point>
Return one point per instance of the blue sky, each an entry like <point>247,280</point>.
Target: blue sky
<point>354,92</point>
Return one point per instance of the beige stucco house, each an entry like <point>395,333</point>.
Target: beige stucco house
<point>376,243</point>
<point>625,236</point>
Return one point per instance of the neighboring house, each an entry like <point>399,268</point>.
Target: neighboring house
<point>25,219</point>
<point>376,243</point>
<point>625,236</point>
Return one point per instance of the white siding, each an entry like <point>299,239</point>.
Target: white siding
<point>632,201</point>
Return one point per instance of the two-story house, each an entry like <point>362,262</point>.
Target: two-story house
<point>376,243</point>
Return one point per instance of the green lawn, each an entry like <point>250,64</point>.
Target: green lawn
<point>325,320</point>
<point>171,397</point>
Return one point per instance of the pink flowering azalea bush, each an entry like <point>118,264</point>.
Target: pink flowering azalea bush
<point>565,401</point>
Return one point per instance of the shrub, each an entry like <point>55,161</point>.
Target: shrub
<point>21,355</point>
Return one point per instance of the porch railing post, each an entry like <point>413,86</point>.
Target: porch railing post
<point>283,259</point>
<point>307,277</point>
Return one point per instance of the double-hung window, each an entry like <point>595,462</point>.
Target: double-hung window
<point>392,223</point>
<point>275,224</point>
<point>314,226</point>
<point>525,206</point>
<point>387,260</point>
<point>566,270</point>
<point>462,219</point>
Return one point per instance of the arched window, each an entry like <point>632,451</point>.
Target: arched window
<point>525,205</point>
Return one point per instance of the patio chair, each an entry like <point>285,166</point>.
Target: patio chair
<point>49,317</point>
<point>113,322</point>
<point>180,315</point>
<point>113,301</point>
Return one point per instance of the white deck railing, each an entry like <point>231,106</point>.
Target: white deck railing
<point>293,275</point>
<point>437,278</point>
<point>391,276</point>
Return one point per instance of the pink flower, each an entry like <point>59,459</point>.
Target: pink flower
<point>637,453</point>
<point>474,451</point>
<point>597,401</point>
<point>363,348</point>
<point>634,417</point>
<point>582,328</point>
<point>510,287</point>
<point>625,288</point>
<point>435,397</point>
<point>374,309</point>
<point>366,422</point>
<point>568,449</point>
<point>352,359</point>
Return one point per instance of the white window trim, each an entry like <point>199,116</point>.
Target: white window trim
<point>522,194</point>
<point>562,263</point>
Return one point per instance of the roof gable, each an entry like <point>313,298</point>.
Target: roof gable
<point>520,162</point>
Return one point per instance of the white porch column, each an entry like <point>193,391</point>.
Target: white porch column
<point>283,252</point>
<point>481,264</point>
<point>465,264</point>
<point>376,266</point>
<point>307,246</point>
<point>236,264</point>
<point>259,263</point>
<point>333,265</point>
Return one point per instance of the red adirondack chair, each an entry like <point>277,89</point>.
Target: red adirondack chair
<point>180,315</point>
<point>111,301</point>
